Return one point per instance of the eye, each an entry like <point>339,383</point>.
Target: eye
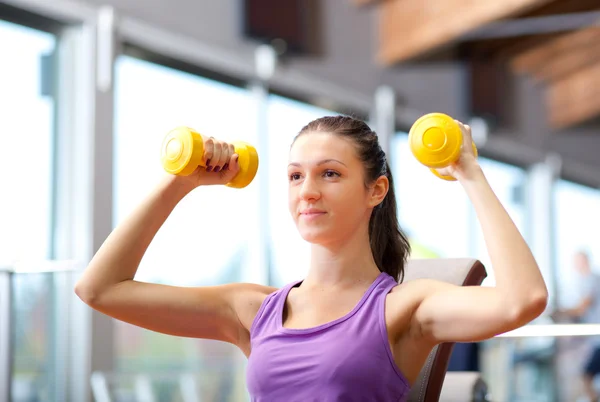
<point>294,176</point>
<point>331,174</point>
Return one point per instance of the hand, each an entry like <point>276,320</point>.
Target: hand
<point>559,315</point>
<point>220,161</point>
<point>467,163</point>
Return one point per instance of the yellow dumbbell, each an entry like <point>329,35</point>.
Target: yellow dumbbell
<point>182,152</point>
<point>435,140</point>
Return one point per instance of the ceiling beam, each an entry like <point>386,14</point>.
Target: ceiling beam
<point>552,52</point>
<point>409,28</point>
<point>575,98</point>
<point>570,62</point>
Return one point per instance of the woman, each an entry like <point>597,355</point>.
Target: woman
<point>351,330</point>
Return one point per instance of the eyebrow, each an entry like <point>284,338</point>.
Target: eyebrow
<point>322,162</point>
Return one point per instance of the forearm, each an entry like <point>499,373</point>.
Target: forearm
<point>119,256</point>
<point>516,272</point>
<point>575,312</point>
<point>580,309</point>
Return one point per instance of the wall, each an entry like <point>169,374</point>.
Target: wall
<point>349,47</point>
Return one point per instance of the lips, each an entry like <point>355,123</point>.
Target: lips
<point>312,211</point>
<point>311,214</point>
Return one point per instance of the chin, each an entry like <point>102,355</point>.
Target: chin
<point>314,235</point>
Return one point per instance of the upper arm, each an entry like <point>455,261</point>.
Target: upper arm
<point>222,312</point>
<point>450,313</point>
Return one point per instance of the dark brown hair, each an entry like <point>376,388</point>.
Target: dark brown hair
<point>389,245</point>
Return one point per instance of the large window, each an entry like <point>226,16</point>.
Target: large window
<point>205,240</point>
<point>26,176</point>
<point>433,212</point>
<point>289,252</point>
<point>26,134</point>
<point>438,216</point>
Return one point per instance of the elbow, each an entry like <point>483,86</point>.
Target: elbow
<point>86,293</point>
<point>529,309</point>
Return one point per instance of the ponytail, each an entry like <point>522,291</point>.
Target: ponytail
<point>390,247</point>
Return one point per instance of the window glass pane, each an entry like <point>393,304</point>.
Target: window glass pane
<point>26,175</point>
<point>523,369</point>
<point>577,227</point>
<point>26,135</point>
<point>434,213</point>
<point>508,183</point>
<point>32,299</point>
<point>204,241</point>
<point>289,252</point>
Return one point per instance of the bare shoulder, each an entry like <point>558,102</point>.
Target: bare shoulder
<point>403,301</point>
<point>252,289</point>
<point>418,288</point>
<point>246,299</point>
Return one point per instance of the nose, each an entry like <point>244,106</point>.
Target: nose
<point>309,190</point>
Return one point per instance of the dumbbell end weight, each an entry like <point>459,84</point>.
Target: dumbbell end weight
<point>435,140</point>
<point>181,151</point>
<point>248,162</point>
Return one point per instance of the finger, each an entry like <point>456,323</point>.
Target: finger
<point>234,165</point>
<point>467,131</point>
<point>223,157</point>
<point>215,162</point>
<point>464,128</point>
<point>467,137</point>
<point>208,152</point>
<point>228,151</point>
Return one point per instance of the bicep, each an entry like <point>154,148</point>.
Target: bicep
<point>199,312</point>
<point>450,313</point>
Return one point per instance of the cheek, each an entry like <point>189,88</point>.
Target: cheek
<point>292,202</point>
<point>350,205</point>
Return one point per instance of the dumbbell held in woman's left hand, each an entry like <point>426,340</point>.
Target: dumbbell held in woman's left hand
<point>437,141</point>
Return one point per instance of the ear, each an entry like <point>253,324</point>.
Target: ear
<point>378,191</point>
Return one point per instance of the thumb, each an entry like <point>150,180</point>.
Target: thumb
<point>233,167</point>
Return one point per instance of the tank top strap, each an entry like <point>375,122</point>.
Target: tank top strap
<point>370,311</point>
<point>385,287</point>
<point>267,316</point>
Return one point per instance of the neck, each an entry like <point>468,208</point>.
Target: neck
<point>343,263</point>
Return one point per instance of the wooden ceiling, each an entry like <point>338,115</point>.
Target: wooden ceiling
<point>556,42</point>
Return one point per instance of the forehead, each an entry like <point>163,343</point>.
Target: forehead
<point>319,145</point>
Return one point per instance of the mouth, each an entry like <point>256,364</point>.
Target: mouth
<point>312,211</point>
<point>311,214</point>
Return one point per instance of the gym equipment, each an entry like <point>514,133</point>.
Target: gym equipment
<point>435,140</point>
<point>182,151</point>
<point>434,375</point>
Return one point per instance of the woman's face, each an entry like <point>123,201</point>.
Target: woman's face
<point>328,199</point>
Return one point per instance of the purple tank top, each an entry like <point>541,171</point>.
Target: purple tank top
<point>348,359</point>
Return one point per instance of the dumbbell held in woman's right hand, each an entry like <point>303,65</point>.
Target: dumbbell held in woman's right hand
<point>183,150</point>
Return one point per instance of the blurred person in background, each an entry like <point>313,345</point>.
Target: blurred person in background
<point>586,311</point>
